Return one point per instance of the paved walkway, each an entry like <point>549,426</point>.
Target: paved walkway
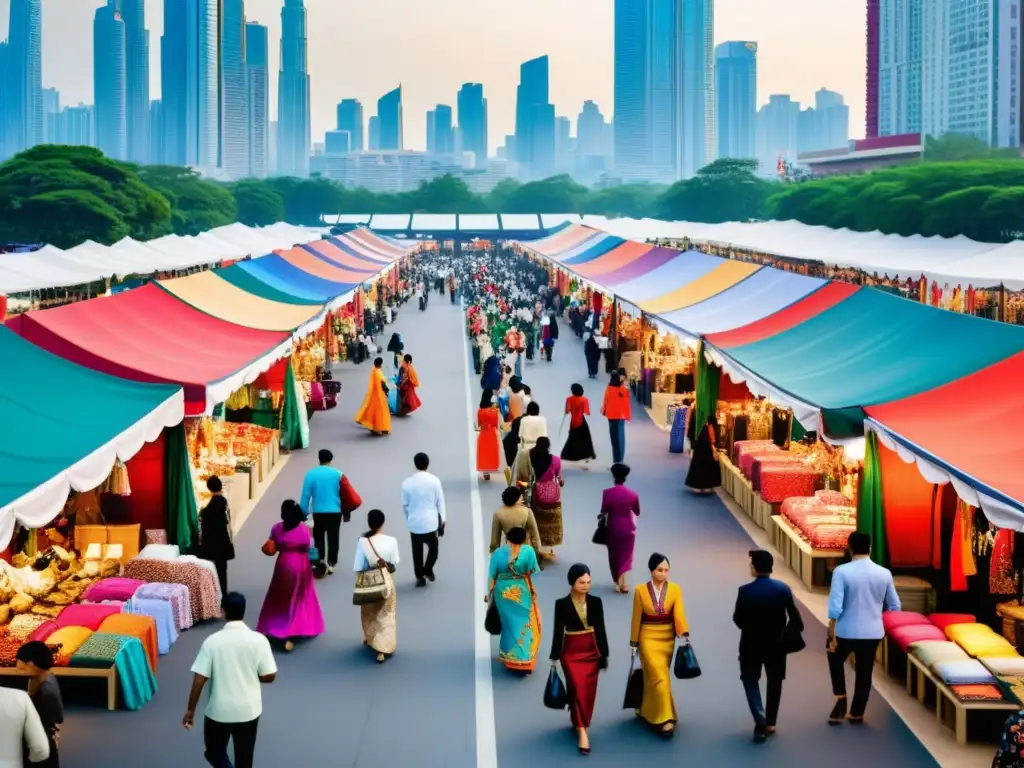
<point>332,705</point>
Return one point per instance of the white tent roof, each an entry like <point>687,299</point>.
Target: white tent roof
<point>51,267</point>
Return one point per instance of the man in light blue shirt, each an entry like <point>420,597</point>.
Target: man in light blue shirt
<point>321,496</point>
<point>423,504</point>
<point>861,591</point>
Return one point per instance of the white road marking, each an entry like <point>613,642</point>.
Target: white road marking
<point>486,738</point>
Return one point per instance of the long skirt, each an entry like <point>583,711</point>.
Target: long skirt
<point>409,401</point>
<point>657,643</point>
<point>517,606</point>
<point>488,450</point>
<point>581,663</point>
<point>291,608</point>
<point>578,445</point>
<point>380,620</point>
<point>621,542</point>
<point>549,523</point>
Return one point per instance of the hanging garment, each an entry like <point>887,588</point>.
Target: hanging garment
<point>1000,575</point>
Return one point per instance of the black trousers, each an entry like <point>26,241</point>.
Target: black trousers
<point>774,665</point>
<point>864,659</point>
<point>217,735</point>
<point>326,530</point>
<point>422,568</point>
<point>222,575</point>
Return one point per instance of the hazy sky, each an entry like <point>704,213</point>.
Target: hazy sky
<point>363,48</point>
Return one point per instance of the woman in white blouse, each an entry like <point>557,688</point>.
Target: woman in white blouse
<point>380,620</point>
<point>531,426</point>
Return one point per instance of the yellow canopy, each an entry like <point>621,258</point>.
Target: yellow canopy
<point>209,293</point>
<point>721,278</point>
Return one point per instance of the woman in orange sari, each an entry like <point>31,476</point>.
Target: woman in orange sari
<point>488,441</point>
<point>374,413</point>
<point>408,381</point>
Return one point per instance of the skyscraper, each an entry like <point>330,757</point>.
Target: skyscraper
<point>76,126</point>
<point>543,142</point>
<point>871,81</point>
<point>736,99</point>
<point>532,98</point>
<point>697,123</point>
<point>777,132</point>
<point>24,68</point>
<point>234,90</point>
<point>350,118</point>
<point>591,131</point>
<point>157,132</point>
<point>440,136</point>
<point>293,93</point>
<point>136,40</point>
<point>900,69</point>
<point>8,104</point>
<point>51,116</point>
<point>389,115</point>
<point>473,121</point>
<point>257,76</point>
<point>374,133</point>
<point>109,81</point>
<point>190,88</point>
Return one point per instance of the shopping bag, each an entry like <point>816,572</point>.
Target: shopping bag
<point>792,641</point>
<point>686,666</point>
<point>492,623</point>
<point>600,536</point>
<point>555,695</point>
<point>634,687</point>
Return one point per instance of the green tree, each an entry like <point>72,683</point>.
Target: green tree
<point>444,194</point>
<point>306,200</point>
<point>497,198</point>
<point>726,190</point>
<point>634,201</point>
<point>91,197</point>
<point>953,147</point>
<point>558,194</point>
<point>198,205</point>
<point>258,204</point>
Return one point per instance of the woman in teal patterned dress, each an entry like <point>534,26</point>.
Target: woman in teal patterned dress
<point>511,588</point>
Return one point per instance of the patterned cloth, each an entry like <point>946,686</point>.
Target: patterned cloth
<point>9,646</point>
<point>134,625</point>
<point>175,595</point>
<point>65,642</point>
<point>977,692</point>
<point>134,675</point>
<point>780,482</point>
<point>203,591</point>
<point>380,620</point>
<point>22,627</point>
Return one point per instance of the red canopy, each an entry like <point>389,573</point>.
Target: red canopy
<point>968,425</point>
<point>148,335</point>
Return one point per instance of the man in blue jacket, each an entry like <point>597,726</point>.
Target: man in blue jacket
<point>321,496</point>
<point>765,611</point>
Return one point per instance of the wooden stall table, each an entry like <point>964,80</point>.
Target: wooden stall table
<point>109,674</point>
<point>811,565</point>
<point>763,512</point>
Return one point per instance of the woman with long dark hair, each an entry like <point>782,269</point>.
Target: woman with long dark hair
<point>620,507</point>
<point>546,494</point>
<point>510,585</point>
<point>488,441</point>
<point>379,620</point>
<point>593,354</point>
<point>579,446</point>
<point>705,472</point>
<point>396,346</point>
<point>580,644</point>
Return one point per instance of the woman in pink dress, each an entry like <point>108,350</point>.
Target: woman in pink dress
<point>291,609</point>
<point>619,507</point>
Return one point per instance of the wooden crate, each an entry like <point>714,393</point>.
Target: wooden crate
<point>813,566</point>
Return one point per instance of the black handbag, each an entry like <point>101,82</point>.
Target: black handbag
<point>601,533</point>
<point>792,641</point>
<point>555,695</point>
<point>492,622</point>
<point>686,666</point>
<point>634,687</point>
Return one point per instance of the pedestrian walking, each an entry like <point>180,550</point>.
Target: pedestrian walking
<point>768,619</point>
<point>35,659</point>
<point>236,662</point>
<point>216,540</point>
<point>379,620</point>
<point>423,504</point>
<point>861,590</point>
<point>618,410</point>
<point>322,490</point>
<point>22,730</point>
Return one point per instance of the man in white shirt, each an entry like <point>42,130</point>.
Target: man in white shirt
<point>235,661</point>
<point>423,504</point>
<point>20,729</point>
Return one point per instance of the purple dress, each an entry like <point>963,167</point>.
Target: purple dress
<point>621,505</point>
<point>291,608</point>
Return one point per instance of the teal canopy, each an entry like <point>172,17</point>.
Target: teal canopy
<point>65,426</point>
<point>874,348</point>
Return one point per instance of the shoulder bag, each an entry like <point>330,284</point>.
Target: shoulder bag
<point>686,666</point>
<point>371,585</point>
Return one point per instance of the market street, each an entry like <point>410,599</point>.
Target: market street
<point>333,705</point>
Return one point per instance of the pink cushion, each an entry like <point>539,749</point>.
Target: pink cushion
<point>943,620</point>
<point>88,615</point>
<point>44,630</point>
<point>911,633</point>
<point>893,619</point>
<point>115,588</point>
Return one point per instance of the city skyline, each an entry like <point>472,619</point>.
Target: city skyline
<point>783,55</point>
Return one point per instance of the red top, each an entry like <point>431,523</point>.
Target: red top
<point>577,408</point>
<point>616,403</point>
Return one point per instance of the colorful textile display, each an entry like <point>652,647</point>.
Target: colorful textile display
<point>134,674</point>
<point>66,641</point>
<point>932,652</point>
<point>89,615</point>
<point>176,595</point>
<point>971,672</point>
<point>113,589</point>
<point>134,625</point>
<point>780,482</point>
<point>22,627</point>
<point>977,693</point>
<point>162,614</point>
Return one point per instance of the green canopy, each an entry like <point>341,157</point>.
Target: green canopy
<point>249,283</point>
<point>875,348</point>
<point>66,426</point>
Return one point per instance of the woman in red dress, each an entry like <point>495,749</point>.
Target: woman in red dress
<point>488,441</point>
<point>408,381</point>
<point>579,446</point>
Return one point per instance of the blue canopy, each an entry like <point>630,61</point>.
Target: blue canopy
<point>683,269</point>
<point>592,249</point>
<point>279,274</point>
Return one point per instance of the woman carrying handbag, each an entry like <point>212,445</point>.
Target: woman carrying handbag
<point>375,593</point>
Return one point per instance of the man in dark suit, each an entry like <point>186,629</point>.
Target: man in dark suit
<point>765,611</point>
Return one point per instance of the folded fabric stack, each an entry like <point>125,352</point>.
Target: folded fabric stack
<point>160,551</point>
<point>134,625</point>
<point>116,589</point>
<point>773,459</point>
<point>134,674</point>
<point>823,526</point>
<point>162,614</point>
<point>978,693</point>
<point>89,615</point>
<point>833,499</point>
<point>970,672</point>
<point>175,595</point>
<point>203,588</point>
<point>44,630</point>
<point>66,641</point>
<point>747,456</point>
<point>741,447</point>
<point>909,634</point>
<point>782,481</point>
<point>980,641</point>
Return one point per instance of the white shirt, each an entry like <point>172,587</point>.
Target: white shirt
<point>387,549</point>
<point>233,660</point>
<point>530,428</point>
<point>423,502</point>
<point>20,727</point>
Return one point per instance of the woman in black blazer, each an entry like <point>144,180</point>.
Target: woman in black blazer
<point>580,643</point>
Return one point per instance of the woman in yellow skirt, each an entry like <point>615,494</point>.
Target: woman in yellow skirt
<point>658,619</point>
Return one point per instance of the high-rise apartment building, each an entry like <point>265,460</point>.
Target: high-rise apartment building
<point>563,145</point>
<point>535,122</point>
<point>24,75</point>
<point>373,131</point>
<point>697,123</point>
<point>136,82</point>
<point>473,121</point>
<point>257,79</point>
<point>157,132</point>
<point>778,132</point>
<point>76,126</point>
<point>234,91</point>
<point>293,138</point>
<point>190,87</point>
<point>390,130</point>
<point>350,119</point>
<point>109,81</point>
<point>871,67</point>
<point>543,142</point>
<point>900,66</point>
<point>736,99</point>
<point>440,134</point>
<point>51,116</point>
